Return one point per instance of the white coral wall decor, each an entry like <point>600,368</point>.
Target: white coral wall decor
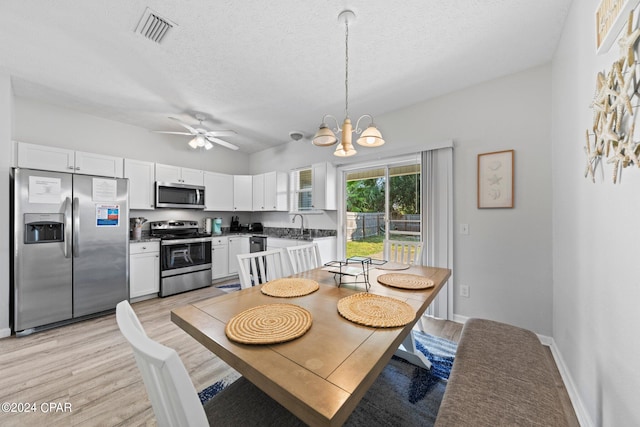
<point>611,140</point>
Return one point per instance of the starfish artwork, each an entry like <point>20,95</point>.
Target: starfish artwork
<point>628,41</point>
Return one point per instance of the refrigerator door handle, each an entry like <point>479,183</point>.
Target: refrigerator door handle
<point>67,227</point>
<point>76,227</point>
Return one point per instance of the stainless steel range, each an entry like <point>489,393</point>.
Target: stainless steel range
<point>185,256</point>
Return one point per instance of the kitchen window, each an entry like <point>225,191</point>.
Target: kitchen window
<point>302,189</point>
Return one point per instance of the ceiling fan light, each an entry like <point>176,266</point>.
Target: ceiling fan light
<point>193,143</point>
<point>208,145</point>
<point>324,137</point>
<point>371,137</point>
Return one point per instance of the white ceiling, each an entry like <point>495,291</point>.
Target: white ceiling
<point>265,68</point>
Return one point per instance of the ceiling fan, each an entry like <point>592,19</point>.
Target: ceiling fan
<point>203,137</point>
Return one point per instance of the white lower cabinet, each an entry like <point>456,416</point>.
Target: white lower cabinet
<point>144,269</point>
<point>219,257</point>
<point>237,245</point>
<point>326,246</point>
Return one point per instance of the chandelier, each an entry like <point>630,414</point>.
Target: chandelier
<point>325,136</point>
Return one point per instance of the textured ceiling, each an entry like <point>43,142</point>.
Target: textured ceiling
<point>265,68</point>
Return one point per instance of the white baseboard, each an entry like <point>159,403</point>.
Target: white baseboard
<point>5,332</point>
<point>460,319</point>
<point>583,417</point>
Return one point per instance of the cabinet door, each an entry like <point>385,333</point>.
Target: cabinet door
<point>99,164</point>
<point>192,176</point>
<point>242,193</point>
<point>276,189</point>
<point>144,269</point>
<point>324,187</point>
<point>167,173</point>
<point>43,157</point>
<point>218,192</point>
<point>237,245</point>
<point>219,261</point>
<point>258,186</point>
<point>327,248</point>
<point>141,183</point>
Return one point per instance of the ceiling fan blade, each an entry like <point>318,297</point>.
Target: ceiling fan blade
<point>186,126</point>
<point>221,132</point>
<point>223,143</point>
<point>173,133</point>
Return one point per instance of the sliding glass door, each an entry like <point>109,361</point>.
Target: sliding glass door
<point>382,203</point>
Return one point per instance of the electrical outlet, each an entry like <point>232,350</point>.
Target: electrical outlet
<point>464,291</point>
<point>464,228</point>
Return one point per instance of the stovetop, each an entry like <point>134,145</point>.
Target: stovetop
<point>176,230</point>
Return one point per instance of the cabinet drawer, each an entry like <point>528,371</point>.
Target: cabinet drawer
<point>144,247</point>
<point>219,241</point>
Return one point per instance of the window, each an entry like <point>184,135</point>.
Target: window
<point>302,189</point>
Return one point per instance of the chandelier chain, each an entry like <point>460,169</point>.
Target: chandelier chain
<point>346,67</point>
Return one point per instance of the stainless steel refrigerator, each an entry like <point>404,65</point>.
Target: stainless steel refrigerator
<point>70,246</point>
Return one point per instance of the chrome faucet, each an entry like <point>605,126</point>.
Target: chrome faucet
<point>301,222</point>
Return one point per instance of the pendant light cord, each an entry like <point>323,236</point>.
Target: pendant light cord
<point>346,67</point>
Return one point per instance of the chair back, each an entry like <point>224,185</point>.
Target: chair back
<point>173,397</point>
<point>259,267</point>
<point>403,252</point>
<point>304,257</point>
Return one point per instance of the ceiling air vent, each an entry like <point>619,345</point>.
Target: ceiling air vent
<point>153,26</point>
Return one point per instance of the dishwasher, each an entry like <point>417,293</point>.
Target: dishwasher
<point>258,243</point>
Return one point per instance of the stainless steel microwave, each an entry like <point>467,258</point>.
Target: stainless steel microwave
<point>171,195</point>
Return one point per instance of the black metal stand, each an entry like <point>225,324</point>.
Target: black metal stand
<point>342,268</point>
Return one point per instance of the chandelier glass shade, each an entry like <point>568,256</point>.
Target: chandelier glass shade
<point>370,137</point>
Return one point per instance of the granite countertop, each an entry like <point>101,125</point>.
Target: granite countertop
<point>144,239</point>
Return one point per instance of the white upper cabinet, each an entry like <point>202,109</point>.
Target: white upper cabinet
<point>314,188</point>
<point>176,174</point>
<point>323,195</point>
<point>270,192</point>
<point>258,193</point>
<point>141,183</point>
<point>99,164</point>
<point>44,157</point>
<point>242,193</point>
<point>218,191</point>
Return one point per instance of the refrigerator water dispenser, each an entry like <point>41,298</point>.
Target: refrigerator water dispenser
<point>43,228</point>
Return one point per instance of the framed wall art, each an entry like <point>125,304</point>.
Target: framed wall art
<point>495,179</point>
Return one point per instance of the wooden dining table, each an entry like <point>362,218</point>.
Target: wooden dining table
<point>321,376</point>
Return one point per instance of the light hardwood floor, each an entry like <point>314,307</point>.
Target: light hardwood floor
<point>90,366</point>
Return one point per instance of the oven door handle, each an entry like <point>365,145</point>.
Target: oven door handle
<point>185,241</point>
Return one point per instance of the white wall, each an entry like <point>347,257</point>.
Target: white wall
<point>46,124</point>
<point>595,240</point>
<point>6,123</point>
<point>506,258</point>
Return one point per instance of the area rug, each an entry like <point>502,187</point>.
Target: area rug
<point>403,394</point>
<point>232,287</point>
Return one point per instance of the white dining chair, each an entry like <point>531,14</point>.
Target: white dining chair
<point>402,252</point>
<point>173,397</point>
<point>259,267</point>
<point>304,257</point>
<point>174,400</point>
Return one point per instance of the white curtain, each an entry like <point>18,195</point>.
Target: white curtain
<point>437,221</point>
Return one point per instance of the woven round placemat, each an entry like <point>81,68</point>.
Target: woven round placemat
<point>268,324</point>
<point>405,281</point>
<point>375,310</point>
<point>289,287</point>
<point>393,266</point>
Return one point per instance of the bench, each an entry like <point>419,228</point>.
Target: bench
<point>501,376</point>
